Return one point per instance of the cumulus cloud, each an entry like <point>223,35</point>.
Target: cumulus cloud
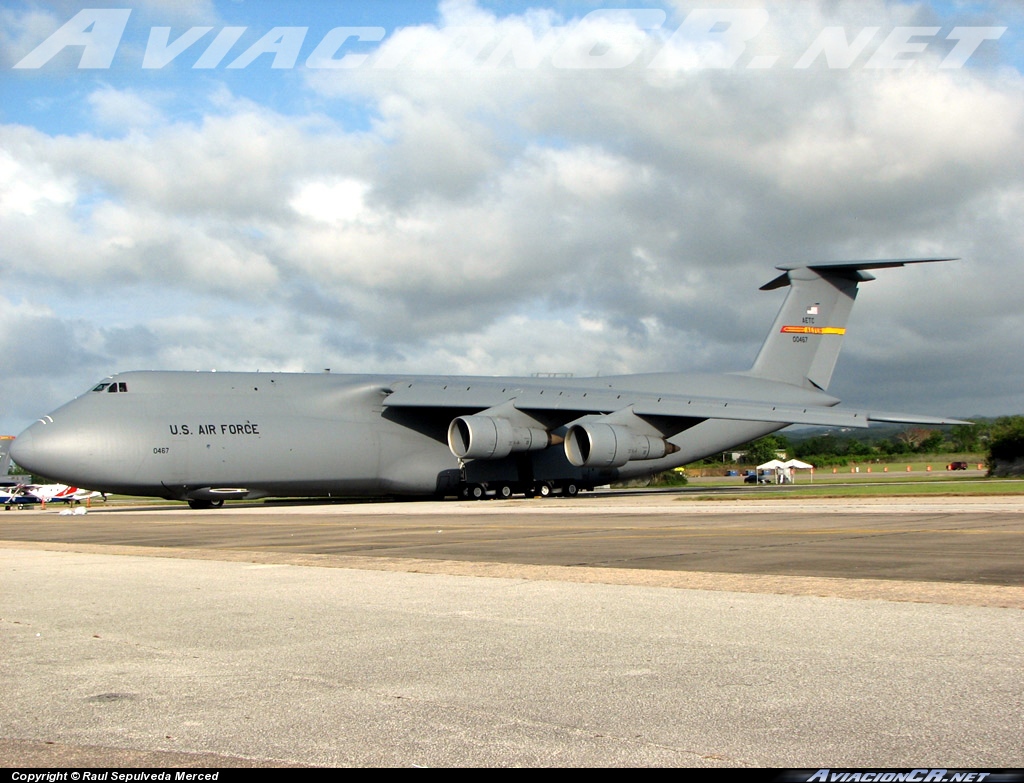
<point>25,189</point>
<point>123,109</point>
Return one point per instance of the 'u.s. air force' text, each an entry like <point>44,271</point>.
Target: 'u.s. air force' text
<point>248,428</point>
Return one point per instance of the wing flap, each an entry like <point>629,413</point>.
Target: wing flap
<point>909,418</point>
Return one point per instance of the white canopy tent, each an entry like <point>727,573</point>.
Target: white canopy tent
<point>784,470</point>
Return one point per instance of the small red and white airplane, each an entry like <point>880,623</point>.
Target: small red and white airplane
<point>53,493</point>
<point>23,494</point>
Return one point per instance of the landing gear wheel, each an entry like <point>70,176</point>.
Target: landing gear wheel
<point>504,491</point>
<point>476,492</point>
<point>205,504</point>
<point>571,489</point>
<point>544,489</point>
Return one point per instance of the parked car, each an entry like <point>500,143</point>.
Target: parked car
<point>957,466</point>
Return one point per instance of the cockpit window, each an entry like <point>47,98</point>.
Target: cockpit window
<point>111,387</point>
<point>101,386</point>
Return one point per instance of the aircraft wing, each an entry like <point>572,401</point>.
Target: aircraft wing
<point>673,413</point>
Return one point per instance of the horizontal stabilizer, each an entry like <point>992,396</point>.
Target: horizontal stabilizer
<point>848,270</point>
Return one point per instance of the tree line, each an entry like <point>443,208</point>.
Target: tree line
<point>1001,440</point>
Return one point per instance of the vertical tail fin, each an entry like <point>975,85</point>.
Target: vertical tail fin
<point>5,455</point>
<point>805,339</point>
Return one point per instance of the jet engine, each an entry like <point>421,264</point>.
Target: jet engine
<point>596,444</point>
<point>493,437</point>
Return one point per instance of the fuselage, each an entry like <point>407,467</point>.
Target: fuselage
<point>231,435</point>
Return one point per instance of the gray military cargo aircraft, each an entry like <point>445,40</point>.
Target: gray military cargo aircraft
<point>207,437</point>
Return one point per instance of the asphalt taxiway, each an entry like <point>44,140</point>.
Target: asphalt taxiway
<point>606,630</point>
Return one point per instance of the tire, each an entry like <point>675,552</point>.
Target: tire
<point>504,491</point>
<point>544,489</point>
<point>206,504</point>
<point>476,492</point>
<point>571,489</point>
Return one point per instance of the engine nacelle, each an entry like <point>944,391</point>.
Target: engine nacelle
<point>493,437</point>
<point>596,444</point>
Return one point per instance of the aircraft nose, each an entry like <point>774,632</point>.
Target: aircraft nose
<point>47,449</point>
<point>73,445</point>
<point>25,451</point>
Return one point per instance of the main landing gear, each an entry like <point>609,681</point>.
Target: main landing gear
<point>202,504</point>
<point>505,490</point>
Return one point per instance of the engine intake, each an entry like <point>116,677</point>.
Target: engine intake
<point>596,444</point>
<point>493,437</point>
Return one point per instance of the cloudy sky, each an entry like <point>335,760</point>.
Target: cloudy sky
<point>506,188</point>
